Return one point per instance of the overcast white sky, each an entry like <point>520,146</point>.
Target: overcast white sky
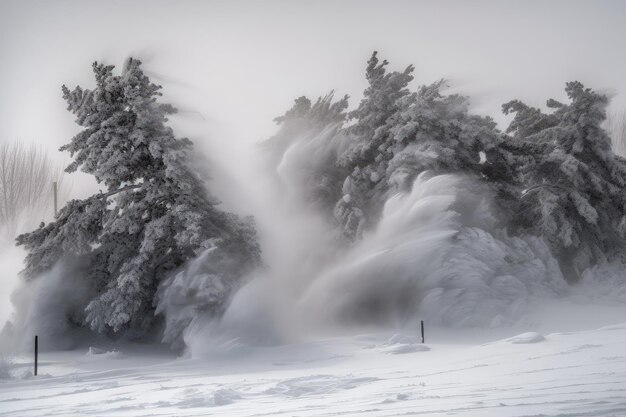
<point>241,63</point>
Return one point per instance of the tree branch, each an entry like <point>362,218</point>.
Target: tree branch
<point>119,190</point>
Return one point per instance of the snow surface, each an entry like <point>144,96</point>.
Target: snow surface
<point>566,374</point>
<point>528,337</point>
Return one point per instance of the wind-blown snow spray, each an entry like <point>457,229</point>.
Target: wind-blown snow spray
<point>51,307</point>
<point>296,239</point>
<point>436,253</point>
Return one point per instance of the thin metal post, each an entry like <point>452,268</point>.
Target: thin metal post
<point>422,331</point>
<point>36,353</point>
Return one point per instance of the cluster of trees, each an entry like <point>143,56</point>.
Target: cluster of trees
<point>553,174</point>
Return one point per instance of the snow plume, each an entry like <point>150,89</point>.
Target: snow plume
<point>50,307</point>
<point>297,240</point>
<point>436,254</point>
<point>194,296</point>
<point>11,261</point>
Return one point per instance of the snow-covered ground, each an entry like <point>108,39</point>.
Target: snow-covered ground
<point>530,374</point>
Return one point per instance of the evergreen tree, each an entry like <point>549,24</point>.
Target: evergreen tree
<point>154,215</point>
<point>399,134</point>
<point>381,100</point>
<point>304,116</point>
<point>370,137</point>
<point>436,132</point>
<point>527,120</point>
<point>574,194</point>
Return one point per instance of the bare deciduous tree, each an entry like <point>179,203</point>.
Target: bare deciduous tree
<point>27,175</point>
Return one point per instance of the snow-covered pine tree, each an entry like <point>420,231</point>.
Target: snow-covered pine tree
<point>304,116</point>
<point>399,134</point>
<point>527,120</point>
<point>433,131</point>
<point>380,102</point>
<point>370,138</point>
<point>574,194</point>
<point>155,214</point>
<point>436,132</point>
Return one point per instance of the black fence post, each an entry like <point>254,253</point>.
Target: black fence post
<point>422,331</point>
<point>36,352</point>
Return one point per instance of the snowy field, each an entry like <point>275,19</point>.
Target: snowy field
<point>558,374</point>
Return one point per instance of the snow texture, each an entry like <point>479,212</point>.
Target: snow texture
<point>529,337</point>
<point>581,373</point>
